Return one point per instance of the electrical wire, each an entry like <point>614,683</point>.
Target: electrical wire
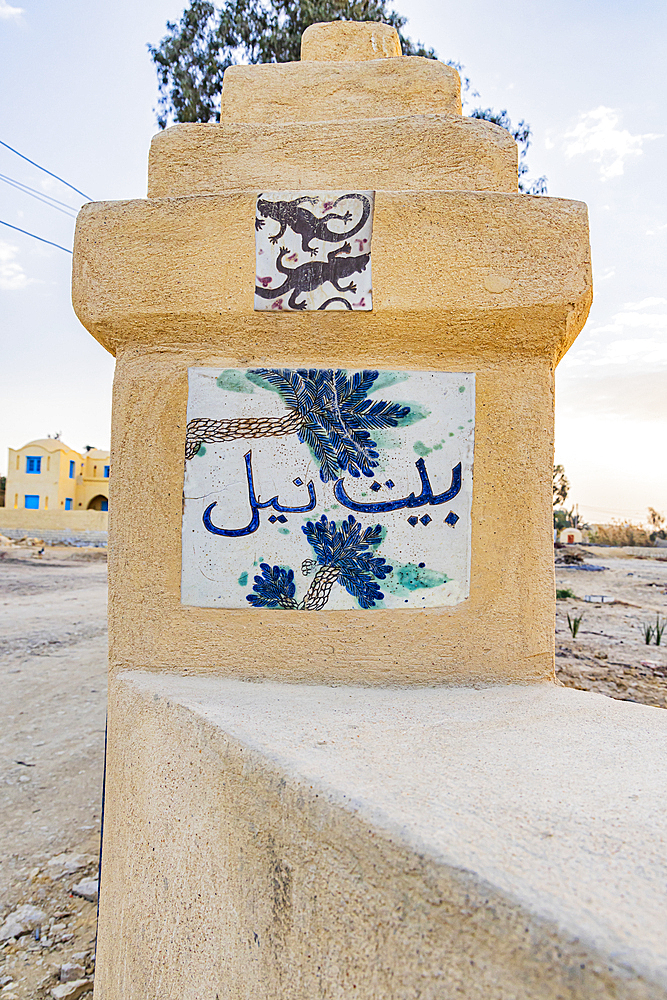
<point>23,188</point>
<point>42,194</point>
<point>40,238</point>
<point>66,183</point>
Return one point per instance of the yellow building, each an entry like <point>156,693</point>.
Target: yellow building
<point>48,475</point>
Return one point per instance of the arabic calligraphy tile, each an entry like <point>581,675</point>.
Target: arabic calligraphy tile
<point>313,250</point>
<point>321,445</point>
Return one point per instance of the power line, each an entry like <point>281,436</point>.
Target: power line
<point>40,238</point>
<point>23,188</point>
<point>42,194</point>
<point>66,183</point>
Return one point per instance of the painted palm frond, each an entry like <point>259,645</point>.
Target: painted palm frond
<point>274,588</point>
<point>336,416</point>
<point>345,555</point>
<point>349,549</point>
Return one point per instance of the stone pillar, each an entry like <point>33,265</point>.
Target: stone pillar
<point>468,276</point>
<point>368,452</point>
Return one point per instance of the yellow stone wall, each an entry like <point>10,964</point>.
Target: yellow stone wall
<point>468,276</point>
<point>35,522</point>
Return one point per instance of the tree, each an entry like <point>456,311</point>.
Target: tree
<point>327,409</point>
<point>343,554</point>
<point>192,57</point>
<point>561,519</point>
<point>561,486</point>
<point>521,135</point>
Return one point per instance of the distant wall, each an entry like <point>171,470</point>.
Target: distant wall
<point>623,551</point>
<point>55,525</point>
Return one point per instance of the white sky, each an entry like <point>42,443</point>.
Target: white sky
<point>79,90</point>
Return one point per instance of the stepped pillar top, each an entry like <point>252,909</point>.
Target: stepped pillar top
<point>332,41</point>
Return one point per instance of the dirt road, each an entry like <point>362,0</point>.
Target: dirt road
<point>52,717</point>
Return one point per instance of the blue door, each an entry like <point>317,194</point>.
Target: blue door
<point>31,501</point>
<point>105,505</point>
<point>68,504</point>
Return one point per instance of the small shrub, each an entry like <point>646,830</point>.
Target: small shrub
<point>659,629</point>
<point>647,630</point>
<point>618,534</point>
<point>651,631</point>
<point>574,622</point>
<point>564,594</point>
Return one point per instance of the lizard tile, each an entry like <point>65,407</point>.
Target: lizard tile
<point>313,250</point>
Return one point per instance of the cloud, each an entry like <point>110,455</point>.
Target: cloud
<point>597,134</point>
<point>631,395</point>
<point>12,275</point>
<point>650,303</point>
<point>634,336</point>
<point>8,13</point>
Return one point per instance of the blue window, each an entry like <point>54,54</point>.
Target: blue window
<point>106,471</point>
<point>68,503</point>
<point>31,501</point>
<point>33,463</point>
<point>105,505</point>
<point>71,470</point>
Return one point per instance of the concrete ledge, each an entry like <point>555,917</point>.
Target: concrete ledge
<point>424,152</point>
<point>276,841</point>
<point>312,91</point>
<point>185,268</point>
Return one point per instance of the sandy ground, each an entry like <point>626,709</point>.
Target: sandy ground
<point>52,718</point>
<point>609,654</point>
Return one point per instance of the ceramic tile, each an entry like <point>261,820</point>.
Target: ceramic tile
<point>327,489</point>
<point>313,250</point>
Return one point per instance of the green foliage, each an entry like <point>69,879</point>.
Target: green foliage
<point>561,519</point>
<point>647,629</point>
<point>651,631</point>
<point>565,594</point>
<point>573,623</point>
<point>561,487</point>
<point>192,57</point>
<point>564,518</point>
<point>521,134</point>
